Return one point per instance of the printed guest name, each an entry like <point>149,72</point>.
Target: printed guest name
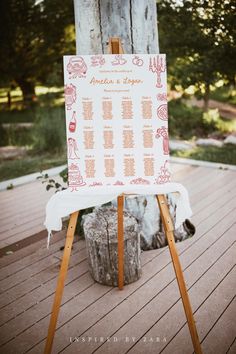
<point>106,81</point>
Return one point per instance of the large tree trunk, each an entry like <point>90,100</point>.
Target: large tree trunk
<point>135,22</point>
<point>28,90</point>
<point>206,97</point>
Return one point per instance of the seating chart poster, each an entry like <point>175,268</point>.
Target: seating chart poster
<point>116,119</point>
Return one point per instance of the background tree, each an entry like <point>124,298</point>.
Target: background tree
<point>199,39</point>
<point>34,35</point>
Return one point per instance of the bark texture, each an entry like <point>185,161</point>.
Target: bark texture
<point>146,211</point>
<point>135,22</point>
<point>100,230</point>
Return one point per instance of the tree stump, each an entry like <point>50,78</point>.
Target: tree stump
<point>100,230</point>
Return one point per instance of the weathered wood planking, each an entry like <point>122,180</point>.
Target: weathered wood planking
<point>135,298</point>
<point>216,232</point>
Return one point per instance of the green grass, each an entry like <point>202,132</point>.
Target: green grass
<point>46,98</point>
<point>17,116</point>
<point>225,154</point>
<point>29,164</point>
<point>47,131</point>
<point>16,136</point>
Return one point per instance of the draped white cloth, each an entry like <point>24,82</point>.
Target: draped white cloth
<point>66,202</point>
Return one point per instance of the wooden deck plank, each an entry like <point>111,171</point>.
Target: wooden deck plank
<point>29,214</point>
<point>41,253</point>
<point>194,187</point>
<point>204,201</point>
<point>232,347</point>
<point>89,296</point>
<point>203,214</point>
<point>23,227</point>
<point>182,171</point>
<point>212,291</point>
<point>77,276</point>
<point>208,198</point>
<point>207,314</point>
<point>25,206</point>
<point>86,304</point>
<point>19,221</point>
<point>223,333</point>
<point>136,320</point>
<point>218,183</point>
<point>55,236</point>
<point>26,301</point>
<point>100,308</point>
<point>32,266</point>
<point>26,191</point>
<point>22,235</point>
<point>29,250</point>
<point>214,208</point>
<point>38,279</point>
<point>32,215</point>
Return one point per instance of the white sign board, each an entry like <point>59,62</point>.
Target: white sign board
<point>116,118</point>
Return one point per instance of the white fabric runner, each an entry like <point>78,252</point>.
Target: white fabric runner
<point>66,202</point>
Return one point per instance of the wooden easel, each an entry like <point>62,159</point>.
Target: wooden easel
<point>115,47</point>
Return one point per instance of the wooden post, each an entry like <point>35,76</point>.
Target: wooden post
<point>169,228</point>
<point>115,47</point>
<point>60,282</point>
<point>120,235</point>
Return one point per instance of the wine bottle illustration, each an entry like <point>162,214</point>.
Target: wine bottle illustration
<point>72,125</point>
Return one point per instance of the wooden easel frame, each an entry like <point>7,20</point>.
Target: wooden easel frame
<point>115,47</point>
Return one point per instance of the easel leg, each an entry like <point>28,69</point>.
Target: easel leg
<point>60,282</point>
<point>168,226</point>
<point>120,231</point>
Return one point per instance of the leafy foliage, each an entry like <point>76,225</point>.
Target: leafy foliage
<point>199,39</point>
<point>186,122</point>
<point>51,183</point>
<point>34,35</point>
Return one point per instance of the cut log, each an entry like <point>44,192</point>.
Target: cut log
<point>100,230</point>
